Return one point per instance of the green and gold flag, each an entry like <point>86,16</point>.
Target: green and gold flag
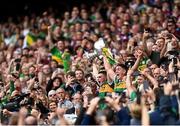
<point>106,52</point>
<point>30,39</point>
<point>61,58</point>
<point>142,64</point>
<point>12,88</point>
<point>56,55</point>
<point>66,61</point>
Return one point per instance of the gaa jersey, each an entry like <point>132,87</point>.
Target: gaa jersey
<point>119,86</point>
<point>104,89</point>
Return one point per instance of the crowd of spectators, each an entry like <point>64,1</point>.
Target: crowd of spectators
<point>141,87</point>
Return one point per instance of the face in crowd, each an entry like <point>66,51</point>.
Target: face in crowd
<point>120,71</point>
<point>101,78</point>
<point>46,69</point>
<point>79,74</point>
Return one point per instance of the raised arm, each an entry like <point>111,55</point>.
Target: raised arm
<point>135,66</point>
<point>49,37</point>
<point>145,115</point>
<point>163,51</point>
<point>10,66</point>
<point>151,79</point>
<point>129,86</point>
<point>95,70</point>
<point>145,37</point>
<point>109,69</point>
<point>31,83</point>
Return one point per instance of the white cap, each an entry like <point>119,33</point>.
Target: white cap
<point>51,92</point>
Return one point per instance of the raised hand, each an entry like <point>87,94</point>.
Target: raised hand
<point>85,101</point>
<point>167,88</point>
<point>145,35</point>
<point>69,80</point>
<point>50,29</point>
<point>113,102</point>
<point>139,53</point>
<point>93,104</point>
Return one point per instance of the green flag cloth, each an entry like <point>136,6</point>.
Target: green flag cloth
<point>143,64</point>
<point>4,101</point>
<point>61,58</point>
<point>106,52</point>
<point>66,61</point>
<point>42,35</point>
<point>30,39</point>
<point>12,88</point>
<point>56,55</point>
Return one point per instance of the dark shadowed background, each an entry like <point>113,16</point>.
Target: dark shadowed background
<point>17,8</point>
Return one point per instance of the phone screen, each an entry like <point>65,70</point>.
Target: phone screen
<point>18,66</point>
<point>146,85</point>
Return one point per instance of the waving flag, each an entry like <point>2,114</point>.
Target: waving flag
<point>66,61</point>
<point>56,55</point>
<point>30,39</point>
<point>61,58</point>
<point>143,64</point>
<point>106,52</point>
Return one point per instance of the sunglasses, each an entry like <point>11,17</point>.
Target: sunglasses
<point>52,95</point>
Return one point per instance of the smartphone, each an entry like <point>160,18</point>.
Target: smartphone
<point>18,66</point>
<point>146,85</point>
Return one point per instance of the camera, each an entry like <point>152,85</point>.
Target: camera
<point>11,106</point>
<point>129,63</point>
<point>14,103</point>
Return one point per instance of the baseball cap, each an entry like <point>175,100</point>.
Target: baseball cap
<point>51,92</point>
